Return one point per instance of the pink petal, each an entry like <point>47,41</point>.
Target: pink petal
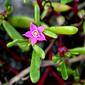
<point>41,38</point>
<point>41,28</point>
<point>32,27</point>
<point>28,34</point>
<point>33,41</point>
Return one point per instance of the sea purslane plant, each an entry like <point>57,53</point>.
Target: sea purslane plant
<point>44,41</point>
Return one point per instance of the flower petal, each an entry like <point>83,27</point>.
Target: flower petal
<point>28,34</point>
<point>41,38</point>
<point>41,28</point>
<point>33,27</point>
<point>33,41</point>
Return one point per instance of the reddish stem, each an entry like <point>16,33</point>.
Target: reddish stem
<point>15,56</point>
<point>75,6</point>
<point>60,41</point>
<point>42,79</point>
<point>57,77</point>
<point>40,5</point>
<point>50,55</point>
<point>39,2</point>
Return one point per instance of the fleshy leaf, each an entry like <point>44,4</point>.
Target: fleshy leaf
<point>34,68</point>
<point>66,1</point>
<point>22,41</point>
<point>64,71</point>
<point>37,54</point>
<point>67,30</point>
<point>39,51</point>
<point>84,26</point>
<point>62,67</point>
<point>36,13</point>
<point>11,31</point>
<point>45,10</point>
<point>50,34</point>
<point>58,7</point>
<point>15,35</point>
<point>20,21</point>
<point>79,50</point>
<point>55,58</point>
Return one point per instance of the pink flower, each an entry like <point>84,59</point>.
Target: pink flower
<point>35,34</point>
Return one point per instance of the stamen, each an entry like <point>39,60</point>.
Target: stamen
<point>35,33</point>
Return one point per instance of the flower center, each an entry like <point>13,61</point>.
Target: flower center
<point>35,33</point>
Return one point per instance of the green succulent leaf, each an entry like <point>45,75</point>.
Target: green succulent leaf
<point>55,58</point>
<point>37,55</point>
<point>11,31</point>
<point>66,30</point>
<point>39,51</point>
<point>45,10</point>
<point>22,41</point>
<point>84,26</point>
<point>58,7</point>
<point>62,67</point>
<point>78,50</point>
<point>64,71</point>
<point>37,13</point>
<point>50,34</point>
<point>35,67</point>
<point>20,21</point>
<point>15,35</point>
<point>66,1</point>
